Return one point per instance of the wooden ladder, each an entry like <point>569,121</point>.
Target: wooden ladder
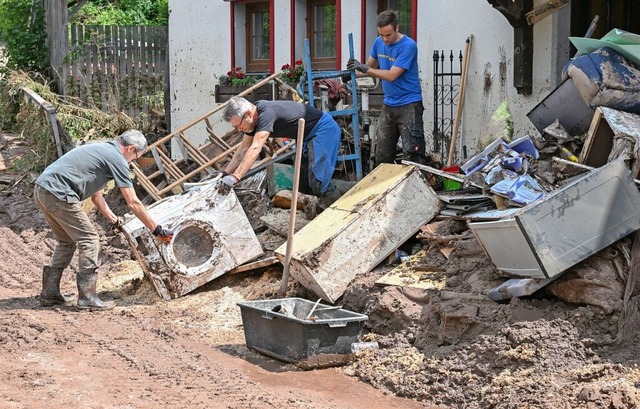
<point>174,177</point>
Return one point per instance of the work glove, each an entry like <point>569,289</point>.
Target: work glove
<point>345,78</point>
<point>163,234</point>
<point>230,180</point>
<point>354,64</point>
<point>117,226</point>
<point>215,174</point>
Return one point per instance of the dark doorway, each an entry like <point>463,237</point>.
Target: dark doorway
<point>622,14</point>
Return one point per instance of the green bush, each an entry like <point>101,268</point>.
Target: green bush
<point>23,30</point>
<point>123,12</point>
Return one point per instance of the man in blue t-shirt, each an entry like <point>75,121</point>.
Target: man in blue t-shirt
<point>59,191</point>
<point>394,60</point>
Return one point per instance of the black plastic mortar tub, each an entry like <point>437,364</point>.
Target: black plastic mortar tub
<point>280,329</point>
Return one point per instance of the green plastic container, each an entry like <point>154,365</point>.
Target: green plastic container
<point>449,184</point>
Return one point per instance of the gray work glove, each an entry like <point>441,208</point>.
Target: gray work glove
<point>165,235</point>
<point>354,64</point>
<point>230,180</point>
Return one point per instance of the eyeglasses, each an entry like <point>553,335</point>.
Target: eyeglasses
<point>241,120</point>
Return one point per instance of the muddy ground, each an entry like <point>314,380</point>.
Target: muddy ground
<point>451,348</point>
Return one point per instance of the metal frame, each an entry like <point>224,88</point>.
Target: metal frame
<point>352,111</point>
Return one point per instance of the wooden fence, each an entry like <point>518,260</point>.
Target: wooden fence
<point>118,68</point>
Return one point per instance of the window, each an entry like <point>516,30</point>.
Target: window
<point>322,33</point>
<point>258,41</point>
<point>404,11</point>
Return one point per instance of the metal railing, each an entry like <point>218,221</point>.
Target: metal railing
<point>446,87</point>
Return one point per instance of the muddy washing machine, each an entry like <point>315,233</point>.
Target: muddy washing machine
<point>211,235</point>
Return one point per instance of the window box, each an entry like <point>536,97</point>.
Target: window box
<point>224,92</point>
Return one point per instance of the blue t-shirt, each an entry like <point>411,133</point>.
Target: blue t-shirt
<point>403,54</point>
<point>84,170</point>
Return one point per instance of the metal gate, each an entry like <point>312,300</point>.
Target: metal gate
<point>446,86</point>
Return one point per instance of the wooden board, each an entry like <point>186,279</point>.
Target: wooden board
<point>405,275</point>
<point>265,262</point>
<point>606,123</point>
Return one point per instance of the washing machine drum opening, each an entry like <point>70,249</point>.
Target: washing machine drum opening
<point>193,246</point>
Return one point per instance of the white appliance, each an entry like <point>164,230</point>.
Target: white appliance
<point>211,235</point>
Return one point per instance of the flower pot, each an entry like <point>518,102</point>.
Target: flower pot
<point>224,92</point>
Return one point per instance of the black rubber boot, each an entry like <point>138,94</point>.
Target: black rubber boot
<point>331,195</point>
<point>87,297</point>
<point>50,294</point>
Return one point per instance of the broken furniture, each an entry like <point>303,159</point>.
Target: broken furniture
<point>361,229</point>
<point>548,236</point>
<point>212,236</point>
<point>612,131</point>
<point>300,331</point>
<point>565,104</point>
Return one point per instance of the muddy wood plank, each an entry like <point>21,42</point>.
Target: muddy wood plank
<point>269,261</point>
<point>597,145</point>
<point>361,229</point>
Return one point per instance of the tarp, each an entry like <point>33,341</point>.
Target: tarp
<point>624,42</point>
<point>605,77</point>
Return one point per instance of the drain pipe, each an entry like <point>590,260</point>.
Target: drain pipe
<point>294,208</point>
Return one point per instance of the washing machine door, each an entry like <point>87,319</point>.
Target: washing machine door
<point>194,249</point>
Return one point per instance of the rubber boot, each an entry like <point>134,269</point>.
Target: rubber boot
<point>87,297</point>
<point>50,294</point>
<point>327,199</point>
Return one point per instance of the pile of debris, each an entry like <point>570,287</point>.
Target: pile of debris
<point>527,200</point>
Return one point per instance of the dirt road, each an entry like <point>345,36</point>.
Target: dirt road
<point>146,353</point>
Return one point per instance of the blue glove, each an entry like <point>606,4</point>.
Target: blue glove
<point>354,64</point>
<point>165,235</point>
<point>230,180</point>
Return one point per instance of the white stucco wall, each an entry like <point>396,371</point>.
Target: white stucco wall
<point>198,53</point>
<point>282,33</point>
<point>445,25</point>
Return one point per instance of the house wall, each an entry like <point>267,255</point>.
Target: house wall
<point>445,25</point>
<point>199,52</point>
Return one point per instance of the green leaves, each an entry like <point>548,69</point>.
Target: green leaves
<point>24,38</point>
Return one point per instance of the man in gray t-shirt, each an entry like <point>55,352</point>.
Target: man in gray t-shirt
<point>81,173</point>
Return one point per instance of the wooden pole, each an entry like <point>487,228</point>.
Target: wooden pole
<point>463,83</point>
<point>294,201</point>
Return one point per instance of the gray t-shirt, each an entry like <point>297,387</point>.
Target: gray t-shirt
<point>84,170</point>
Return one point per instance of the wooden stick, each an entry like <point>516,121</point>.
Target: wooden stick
<point>463,82</point>
<point>294,201</point>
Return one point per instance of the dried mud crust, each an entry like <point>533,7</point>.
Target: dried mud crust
<point>459,350</point>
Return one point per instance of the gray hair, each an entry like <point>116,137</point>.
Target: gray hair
<point>236,106</point>
<point>387,17</point>
<point>135,138</point>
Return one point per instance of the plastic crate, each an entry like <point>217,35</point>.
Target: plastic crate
<point>280,329</point>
